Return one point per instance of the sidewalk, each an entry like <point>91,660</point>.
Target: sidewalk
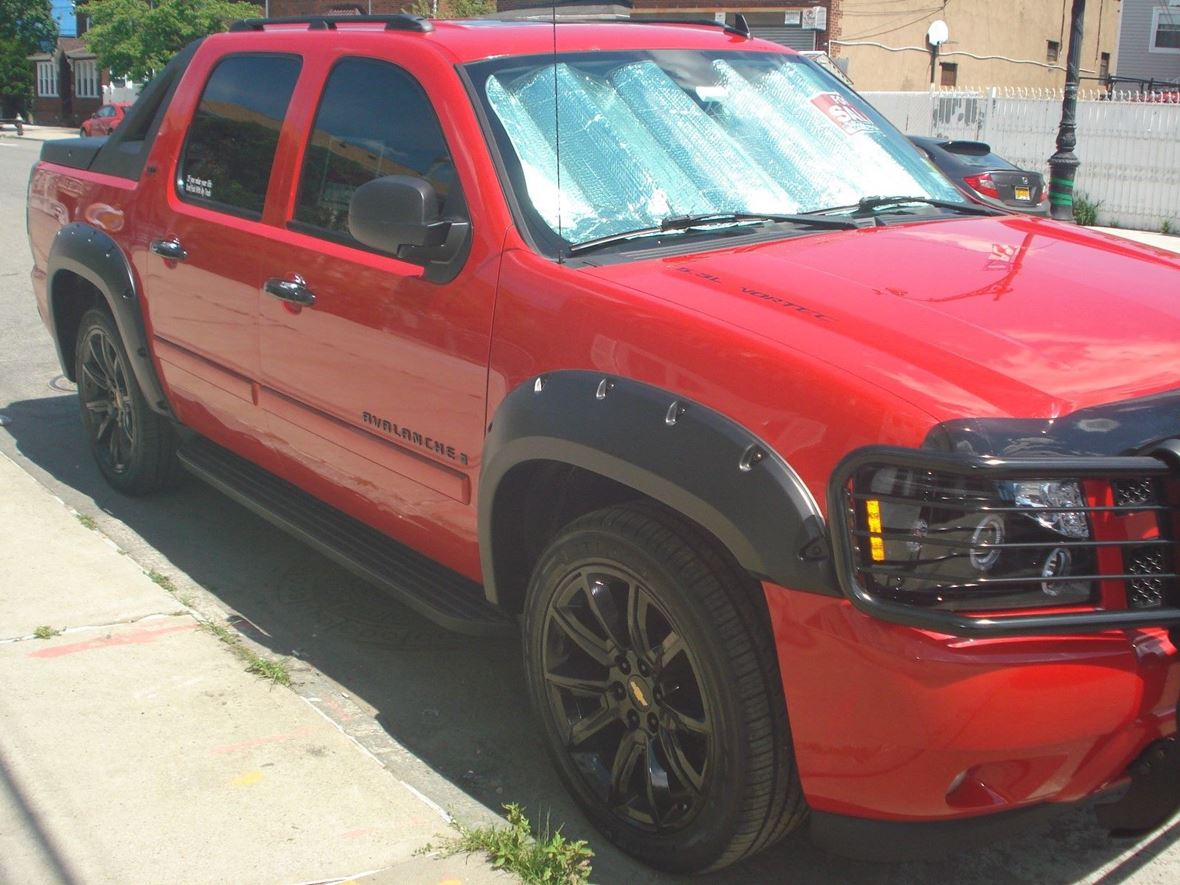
<point>33,132</point>
<point>1159,241</point>
<point>135,748</point>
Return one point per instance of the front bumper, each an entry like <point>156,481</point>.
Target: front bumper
<point>896,723</point>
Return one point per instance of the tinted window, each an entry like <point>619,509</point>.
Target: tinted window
<point>984,160</point>
<point>374,120</point>
<point>234,133</point>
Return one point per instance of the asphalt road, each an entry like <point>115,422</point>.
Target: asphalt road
<point>456,704</point>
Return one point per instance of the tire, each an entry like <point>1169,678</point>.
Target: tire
<point>134,447</point>
<point>651,665</point>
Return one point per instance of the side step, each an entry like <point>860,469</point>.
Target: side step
<point>432,590</point>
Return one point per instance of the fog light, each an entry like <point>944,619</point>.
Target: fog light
<point>989,531</point>
<point>1057,564</point>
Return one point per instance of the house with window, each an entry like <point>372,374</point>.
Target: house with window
<point>1149,46</point>
<point>68,83</point>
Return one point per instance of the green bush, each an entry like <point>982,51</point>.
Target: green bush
<point>1085,211</point>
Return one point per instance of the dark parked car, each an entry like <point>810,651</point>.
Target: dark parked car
<point>986,176</point>
<point>105,119</point>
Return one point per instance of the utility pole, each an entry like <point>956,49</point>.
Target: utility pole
<point>1063,165</point>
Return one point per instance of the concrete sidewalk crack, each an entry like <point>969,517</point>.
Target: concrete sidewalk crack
<point>66,631</point>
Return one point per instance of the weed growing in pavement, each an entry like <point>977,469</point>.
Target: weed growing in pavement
<point>1085,211</point>
<point>274,670</point>
<point>45,632</point>
<point>162,581</point>
<point>1167,229</point>
<point>546,859</point>
<point>87,521</point>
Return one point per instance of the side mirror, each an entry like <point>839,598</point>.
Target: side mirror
<point>398,214</point>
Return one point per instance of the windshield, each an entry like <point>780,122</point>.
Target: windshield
<point>602,143</point>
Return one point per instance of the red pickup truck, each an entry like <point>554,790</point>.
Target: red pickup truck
<point>818,491</point>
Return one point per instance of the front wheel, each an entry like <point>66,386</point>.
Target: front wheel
<point>651,666</point>
<point>134,447</point>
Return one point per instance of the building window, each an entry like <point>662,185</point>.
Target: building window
<point>1104,66</point>
<point>47,79</point>
<point>1165,30</point>
<point>950,74</point>
<point>1052,50</point>
<point>86,82</point>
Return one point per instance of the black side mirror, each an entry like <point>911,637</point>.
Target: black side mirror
<point>399,214</point>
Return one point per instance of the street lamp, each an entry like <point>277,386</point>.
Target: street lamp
<point>1063,165</point>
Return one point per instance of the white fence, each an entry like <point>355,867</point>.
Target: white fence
<point>1129,150</point>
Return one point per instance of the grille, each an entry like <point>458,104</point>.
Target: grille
<point>1131,492</point>
<point>1147,589</point>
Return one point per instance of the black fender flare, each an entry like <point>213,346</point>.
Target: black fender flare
<point>688,457</point>
<point>95,257</point>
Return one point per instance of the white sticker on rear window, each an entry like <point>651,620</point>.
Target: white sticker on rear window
<point>840,111</point>
<point>202,187</point>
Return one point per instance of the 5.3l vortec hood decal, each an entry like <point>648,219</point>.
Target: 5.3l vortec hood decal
<point>1007,316</point>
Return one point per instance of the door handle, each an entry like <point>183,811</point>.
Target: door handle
<point>294,290</point>
<point>170,249</point>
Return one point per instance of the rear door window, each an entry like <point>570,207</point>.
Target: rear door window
<point>231,143</point>
<point>374,120</point>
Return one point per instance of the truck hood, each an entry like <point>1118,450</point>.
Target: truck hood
<point>977,317</point>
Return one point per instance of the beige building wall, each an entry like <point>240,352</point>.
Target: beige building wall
<point>992,42</point>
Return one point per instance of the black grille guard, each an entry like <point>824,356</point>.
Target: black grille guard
<point>1162,461</point>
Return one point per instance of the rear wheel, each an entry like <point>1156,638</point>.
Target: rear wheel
<point>650,663</point>
<point>134,447</point>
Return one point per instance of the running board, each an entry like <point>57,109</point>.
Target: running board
<point>432,590</point>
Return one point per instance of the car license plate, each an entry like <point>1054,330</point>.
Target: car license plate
<point>1023,193</point>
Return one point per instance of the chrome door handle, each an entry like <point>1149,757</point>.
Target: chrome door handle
<point>294,290</point>
<point>170,249</point>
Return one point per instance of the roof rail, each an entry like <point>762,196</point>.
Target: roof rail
<point>398,22</point>
<point>537,14</point>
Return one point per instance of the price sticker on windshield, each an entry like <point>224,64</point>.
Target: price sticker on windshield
<point>843,113</point>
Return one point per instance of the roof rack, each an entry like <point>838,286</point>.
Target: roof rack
<point>399,22</point>
<point>538,14</point>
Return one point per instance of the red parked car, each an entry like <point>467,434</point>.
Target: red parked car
<point>820,493</point>
<point>105,119</point>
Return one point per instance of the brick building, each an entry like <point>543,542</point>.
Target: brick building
<point>67,81</point>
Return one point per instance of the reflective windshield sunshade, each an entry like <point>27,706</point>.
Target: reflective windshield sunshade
<point>620,141</point>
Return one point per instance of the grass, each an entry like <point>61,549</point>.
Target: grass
<point>274,670</point>
<point>1085,211</point>
<point>1168,229</point>
<point>46,632</point>
<point>162,581</point>
<point>87,521</point>
<point>544,858</point>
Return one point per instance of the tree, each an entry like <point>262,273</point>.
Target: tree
<point>136,38</point>
<point>26,27</point>
<point>451,8</point>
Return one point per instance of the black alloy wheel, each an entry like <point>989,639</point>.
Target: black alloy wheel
<point>626,688</point>
<point>105,393</point>
<point>134,447</point>
<point>651,665</point>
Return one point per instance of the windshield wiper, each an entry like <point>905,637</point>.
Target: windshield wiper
<point>867,205</point>
<point>704,219</point>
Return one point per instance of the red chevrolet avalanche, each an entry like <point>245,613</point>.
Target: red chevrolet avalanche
<point>819,493</point>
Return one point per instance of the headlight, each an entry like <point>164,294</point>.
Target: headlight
<point>956,542</point>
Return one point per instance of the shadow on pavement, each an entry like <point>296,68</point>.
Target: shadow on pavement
<point>458,703</point>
